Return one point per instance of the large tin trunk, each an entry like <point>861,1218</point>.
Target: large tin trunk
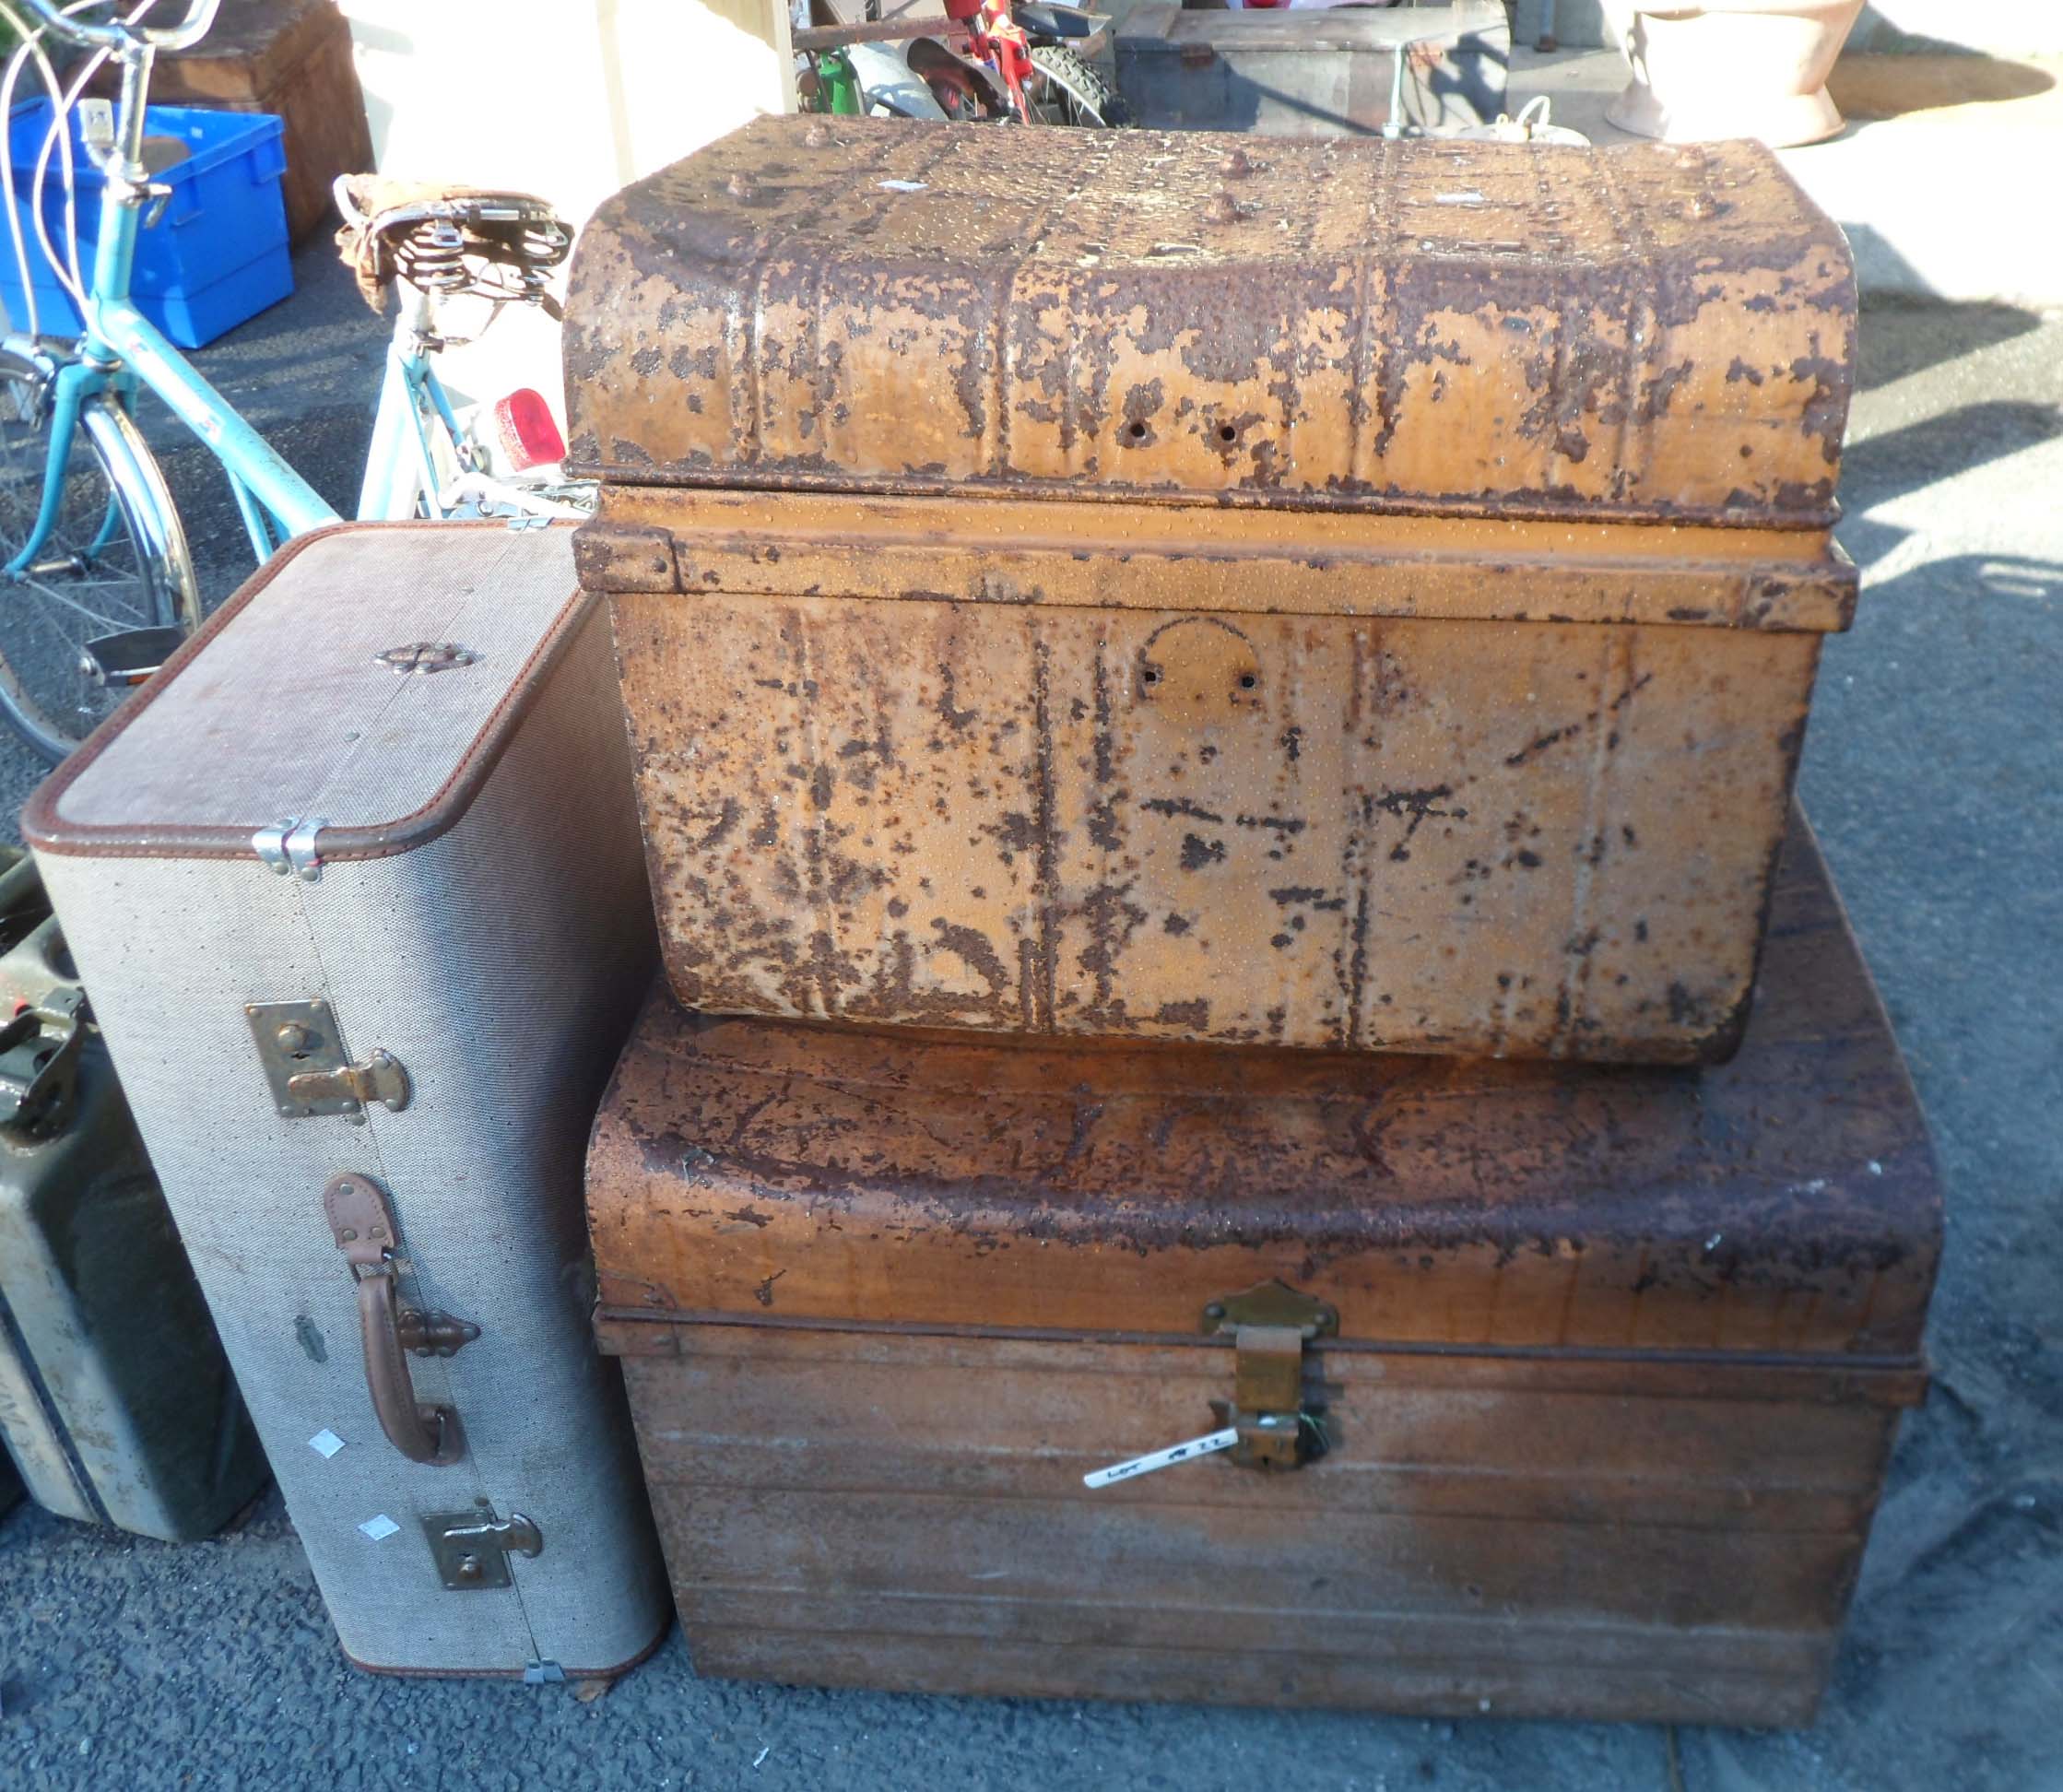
<point>1290,72</point>
<point>1337,594</point>
<point>356,891</point>
<point>116,1399</point>
<point>1610,1362</point>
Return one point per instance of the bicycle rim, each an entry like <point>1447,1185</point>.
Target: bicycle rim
<point>116,560</point>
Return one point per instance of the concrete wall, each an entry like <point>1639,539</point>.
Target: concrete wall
<point>2000,27</point>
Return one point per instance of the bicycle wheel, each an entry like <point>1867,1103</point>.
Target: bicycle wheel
<point>1064,90</point>
<point>116,561</point>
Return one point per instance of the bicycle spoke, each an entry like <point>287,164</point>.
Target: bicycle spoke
<point>107,622</point>
<point>57,634</point>
<point>91,576</point>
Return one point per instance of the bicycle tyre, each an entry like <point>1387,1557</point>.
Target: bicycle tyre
<point>1086,99</point>
<point>145,573</point>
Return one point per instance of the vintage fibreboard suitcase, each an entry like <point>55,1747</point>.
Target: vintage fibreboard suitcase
<point>356,891</point>
<point>1293,72</point>
<point>1324,594</point>
<point>116,1399</point>
<point>1610,1360</point>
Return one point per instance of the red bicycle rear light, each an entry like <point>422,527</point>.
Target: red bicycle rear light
<point>529,435</point>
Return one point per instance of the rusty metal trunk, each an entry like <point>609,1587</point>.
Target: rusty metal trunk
<point>1332,595</point>
<point>1609,1364</point>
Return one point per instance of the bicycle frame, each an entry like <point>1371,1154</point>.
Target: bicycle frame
<point>405,474</point>
<point>121,346</point>
<point>402,462</point>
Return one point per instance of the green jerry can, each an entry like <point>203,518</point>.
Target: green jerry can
<point>115,1401</point>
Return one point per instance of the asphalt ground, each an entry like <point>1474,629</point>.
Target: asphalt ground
<point>1934,773</point>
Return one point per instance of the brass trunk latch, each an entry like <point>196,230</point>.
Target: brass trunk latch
<point>472,1549</point>
<point>309,1070</point>
<point>1271,1324</point>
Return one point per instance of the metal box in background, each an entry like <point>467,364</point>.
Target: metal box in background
<point>116,1402</point>
<point>1329,592</point>
<point>355,885</point>
<point>1325,73</point>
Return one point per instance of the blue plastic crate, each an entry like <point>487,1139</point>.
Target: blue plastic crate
<point>216,256</point>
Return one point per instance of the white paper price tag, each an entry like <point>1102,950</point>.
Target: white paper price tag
<point>1146,1464</point>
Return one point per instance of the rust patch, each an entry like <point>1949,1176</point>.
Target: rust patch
<point>1276,346</point>
<point>900,1173</point>
<point>1073,856</point>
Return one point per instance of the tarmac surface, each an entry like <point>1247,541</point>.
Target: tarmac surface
<point>1934,773</point>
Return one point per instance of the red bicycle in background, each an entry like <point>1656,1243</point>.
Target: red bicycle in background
<point>1027,46</point>
<point>983,60</point>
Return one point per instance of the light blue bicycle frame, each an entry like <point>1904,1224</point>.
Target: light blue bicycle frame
<point>122,348</point>
<point>410,386</point>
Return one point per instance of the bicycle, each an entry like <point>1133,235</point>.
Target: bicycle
<point>985,59</point>
<point>96,575</point>
<point>434,245</point>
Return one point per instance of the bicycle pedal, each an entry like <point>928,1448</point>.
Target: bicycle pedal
<point>128,658</point>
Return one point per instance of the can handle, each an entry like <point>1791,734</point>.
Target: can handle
<point>362,1221</point>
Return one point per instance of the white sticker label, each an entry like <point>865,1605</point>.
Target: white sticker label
<point>326,1443</point>
<point>379,1529</point>
<point>904,186</point>
<point>1146,1464</point>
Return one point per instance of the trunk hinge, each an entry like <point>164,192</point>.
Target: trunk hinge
<point>287,848</point>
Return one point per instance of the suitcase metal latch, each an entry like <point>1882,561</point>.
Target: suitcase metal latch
<point>1278,1425</point>
<point>472,1549</point>
<point>309,1069</point>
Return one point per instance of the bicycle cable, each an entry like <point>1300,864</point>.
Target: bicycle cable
<point>31,50</point>
<point>59,138</point>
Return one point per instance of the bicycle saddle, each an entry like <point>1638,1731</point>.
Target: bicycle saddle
<point>444,239</point>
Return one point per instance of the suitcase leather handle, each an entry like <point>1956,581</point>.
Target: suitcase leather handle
<point>362,1223</point>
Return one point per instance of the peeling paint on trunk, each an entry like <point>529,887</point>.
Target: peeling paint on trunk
<point>1017,593</point>
<point>1644,329</point>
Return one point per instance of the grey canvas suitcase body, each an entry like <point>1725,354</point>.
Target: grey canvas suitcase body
<point>115,1401</point>
<point>357,892</point>
<point>1334,72</point>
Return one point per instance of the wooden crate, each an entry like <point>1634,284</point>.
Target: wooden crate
<point>292,58</point>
